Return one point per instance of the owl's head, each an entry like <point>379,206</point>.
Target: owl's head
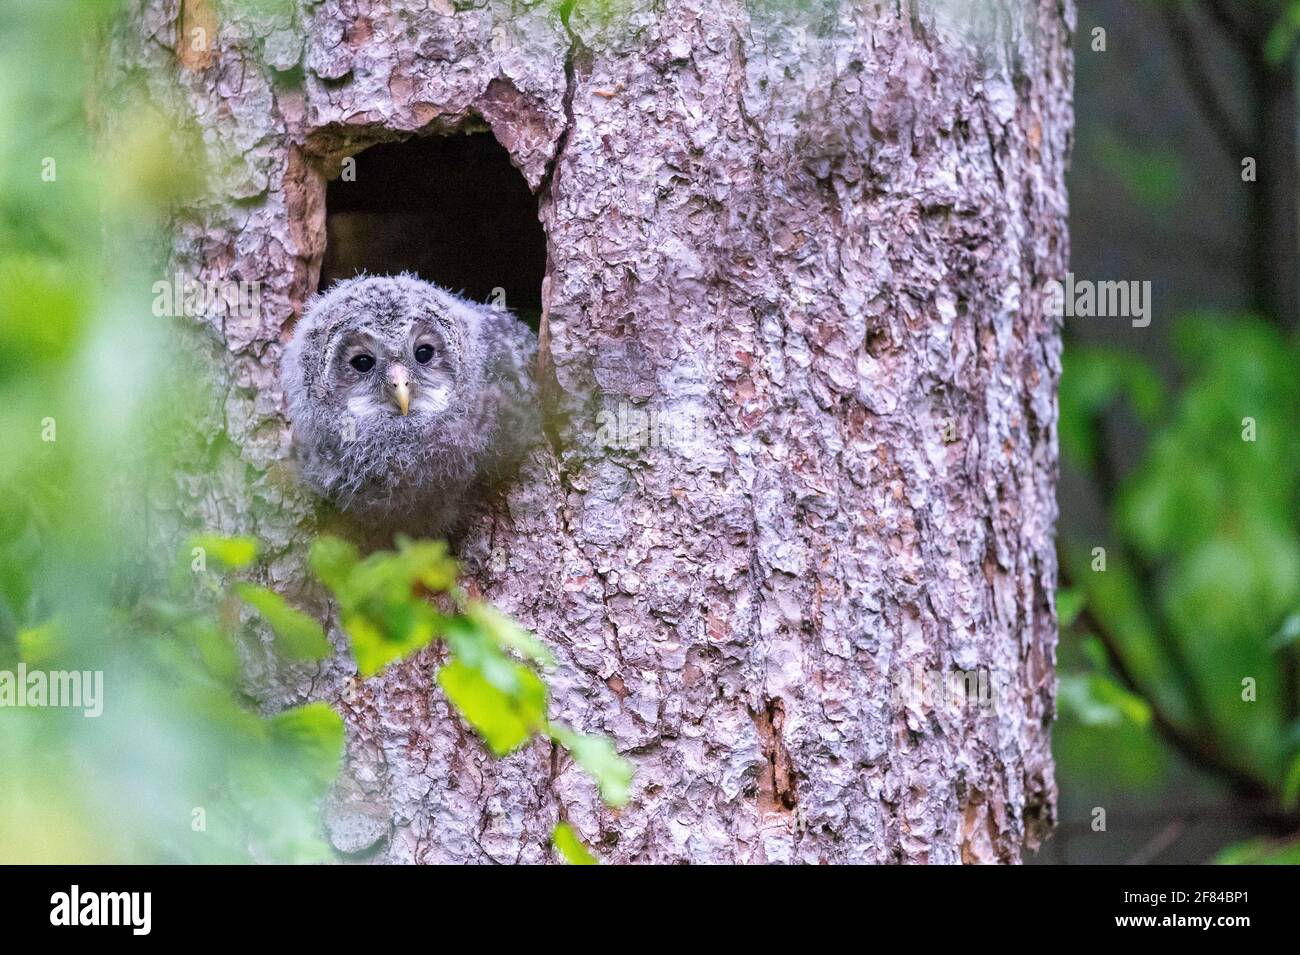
<point>396,399</point>
<point>375,354</point>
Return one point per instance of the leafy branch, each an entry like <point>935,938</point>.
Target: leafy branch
<point>393,603</point>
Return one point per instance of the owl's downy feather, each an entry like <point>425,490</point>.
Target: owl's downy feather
<point>372,348</point>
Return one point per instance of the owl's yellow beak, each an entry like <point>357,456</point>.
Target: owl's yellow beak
<point>399,382</point>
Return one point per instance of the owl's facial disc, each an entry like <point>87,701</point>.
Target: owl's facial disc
<point>406,378</point>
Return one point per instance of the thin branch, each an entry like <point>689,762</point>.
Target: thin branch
<point>1243,38</point>
<point>1165,838</point>
<point>1199,79</point>
<point>1204,754</point>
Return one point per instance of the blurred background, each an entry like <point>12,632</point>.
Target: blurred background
<point>95,405</point>
<point>1181,441</point>
<point>1179,731</point>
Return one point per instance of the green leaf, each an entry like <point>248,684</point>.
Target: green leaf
<point>375,647</point>
<point>386,616</point>
<point>299,637</point>
<point>388,578</point>
<point>41,645</point>
<point>1154,177</point>
<point>1288,634</point>
<point>507,633</point>
<point>1096,700</point>
<point>1281,37</point>
<point>311,738</point>
<point>230,552</point>
<point>597,755</point>
<point>1069,604</point>
<point>430,564</point>
<point>504,719</point>
<point>382,598</point>
<point>566,841</point>
<point>1094,651</point>
<point>332,560</point>
<point>1291,786</point>
<point>1260,852</point>
<point>214,648</point>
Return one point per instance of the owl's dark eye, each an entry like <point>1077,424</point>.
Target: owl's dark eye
<point>423,354</point>
<point>362,363</point>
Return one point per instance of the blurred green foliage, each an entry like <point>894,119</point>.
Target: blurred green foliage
<point>570,846</point>
<point>493,677</point>
<point>1154,179</point>
<point>1198,521</point>
<point>179,766</point>
<point>1189,632</point>
<point>1282,38</point>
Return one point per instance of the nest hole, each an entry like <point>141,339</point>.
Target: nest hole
<point>452,209</point>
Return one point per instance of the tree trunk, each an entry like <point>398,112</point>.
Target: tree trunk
<point>806,242</point>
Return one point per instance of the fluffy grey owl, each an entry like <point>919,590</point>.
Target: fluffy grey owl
<point>404,397</point>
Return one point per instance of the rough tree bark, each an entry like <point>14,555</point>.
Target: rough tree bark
<point>815,231</point>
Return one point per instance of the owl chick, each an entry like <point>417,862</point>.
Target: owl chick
<point>404,398</point>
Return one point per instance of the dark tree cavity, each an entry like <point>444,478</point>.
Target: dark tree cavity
<point>449,208</point>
